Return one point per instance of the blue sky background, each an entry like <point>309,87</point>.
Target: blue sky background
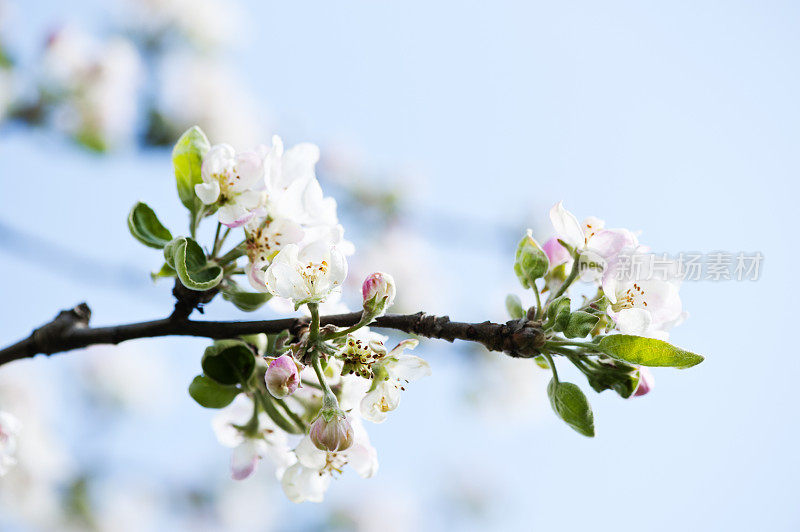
<point>680,119</point>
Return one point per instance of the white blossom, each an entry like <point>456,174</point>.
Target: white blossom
<point>307,275</point>
<point>233,182</point>
<point>265,238</point>
<point>309,478</point>
<point>640,302</point>
<point>392,373</point>
<point>596,244</point>
<point>248,449</point>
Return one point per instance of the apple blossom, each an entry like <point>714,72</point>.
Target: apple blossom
<point>310,476</point>
<point>233,182</point>
<point>378,291</point>
<point>307,275</point>
<point>292,187</point>
<point>595,244</point>
<point>9,429</point>
<point>640,304</point>
<point>282,376</point>
<point>265,238</point>
<point>392,373</point>
<point>250,446</point>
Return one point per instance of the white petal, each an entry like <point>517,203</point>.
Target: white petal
<point>363,458</point>
<point>233,215</point>
<point>377,403</point>
<point>250,169</point>
<point>237,413</point>
<point>408,368</point>
<point>634,321</point>
<point>219,159</point>
<point>207,192</point>
<point>302,484</point>
<point>566,225</point>
<point>308,454</point>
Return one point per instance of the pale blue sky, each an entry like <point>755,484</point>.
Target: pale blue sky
<point>680,119</point>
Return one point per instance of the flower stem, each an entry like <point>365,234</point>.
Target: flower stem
<point>232,255</point>
<point>538,300</point>
<point>573,274</point>
<point>315,363</point>
<point>313,327</point>
<point>298,421</point>
<point>585,345</point>
<point>552,366</point>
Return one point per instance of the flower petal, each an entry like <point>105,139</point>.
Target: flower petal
<point>566,225</point>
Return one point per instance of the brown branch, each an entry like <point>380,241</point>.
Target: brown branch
<point>69,330</point>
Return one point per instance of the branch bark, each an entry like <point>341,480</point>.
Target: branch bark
<point>69,330</point>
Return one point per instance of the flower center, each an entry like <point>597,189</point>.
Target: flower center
<point>312,271</point>
<point>630,298</point>
<point>359,358</point>
<point>262,245</point>
<point>334,462</point>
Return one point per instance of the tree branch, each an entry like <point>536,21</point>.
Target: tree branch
<point>69,330</point>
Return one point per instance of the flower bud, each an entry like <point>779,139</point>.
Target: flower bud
<point>531,262</point>
<point>331,431</point>
<point>646,382</point>
<point>282,376</point>
<point>556,253</point>
<point>378,291</point>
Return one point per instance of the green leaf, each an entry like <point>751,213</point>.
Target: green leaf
<point>614,375</point>
<point>189,261</point>
<point>229,362</point>
<point>580,324</point>
<point>242,299</point>
<point>210,394</point>
<point>571,405</point>
<point>558,313</point>
<point>146,228</point>
<point>514,307</point>
<point>187,159</point>
<point>165,271</point>
<point>647,351</point>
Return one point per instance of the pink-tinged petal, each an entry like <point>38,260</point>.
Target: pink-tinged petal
<point>233,216</point>
<point>646,382</point>
<point>566,225</point>
<point>244,459</point>
<point>607,244</point>
<point>282,376</point>
<point>257,276</point>
<point>556,253</point>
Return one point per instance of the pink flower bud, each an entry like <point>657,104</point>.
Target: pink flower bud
<point>556,253</point>
<point>646,382</point>
<point>378,291</point>
<point>282,376</point>
<point>331,431</point>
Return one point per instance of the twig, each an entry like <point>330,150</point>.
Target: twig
<point>70,330</point>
